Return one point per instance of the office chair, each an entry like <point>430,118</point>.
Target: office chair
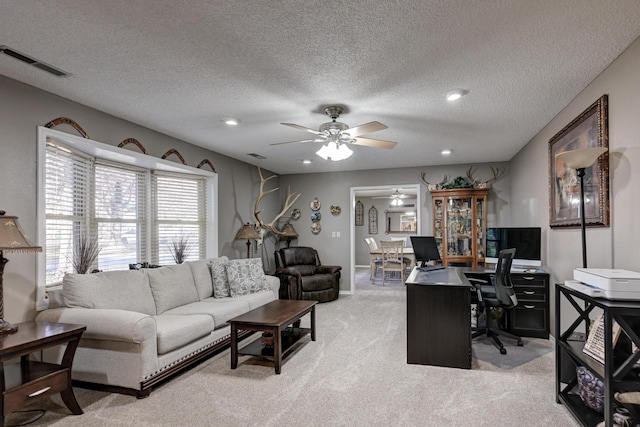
<point>500,294</point>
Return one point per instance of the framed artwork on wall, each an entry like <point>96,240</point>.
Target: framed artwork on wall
<point>359,211</point>
<point>373,220</point>
<point>589,129</point>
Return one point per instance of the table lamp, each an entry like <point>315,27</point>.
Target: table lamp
<point>288,233</point>
<point>248,232</point>
<point>12,239</point>
<point>579,160</point>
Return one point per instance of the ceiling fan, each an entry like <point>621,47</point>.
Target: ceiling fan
<point>336,134</point>
<point>396,197</point>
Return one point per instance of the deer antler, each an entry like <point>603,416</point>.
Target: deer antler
<point>497,174</point>
<point>473,181</point>
<point>433,186</point>
<point>291,199</point>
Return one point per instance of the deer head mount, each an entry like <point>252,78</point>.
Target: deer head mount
<point>465,182</point>
<point>290,200</point>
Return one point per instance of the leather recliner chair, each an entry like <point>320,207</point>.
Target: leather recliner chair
<point>303,277</point>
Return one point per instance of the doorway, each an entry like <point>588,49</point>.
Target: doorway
<point>379,192</point>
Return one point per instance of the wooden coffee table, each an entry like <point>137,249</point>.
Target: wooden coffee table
<point>274,317</point>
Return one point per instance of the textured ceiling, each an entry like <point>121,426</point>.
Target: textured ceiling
<point>179,67</point>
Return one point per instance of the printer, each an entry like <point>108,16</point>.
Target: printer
<point>606,283</point>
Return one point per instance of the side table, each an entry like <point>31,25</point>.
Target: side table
<point>31,381</point>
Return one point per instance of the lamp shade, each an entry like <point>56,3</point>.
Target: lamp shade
<point>334,151</point>
<point>288,232</point>
<point>247,232</point>
<point>12,237</point>
<point>582,157</point>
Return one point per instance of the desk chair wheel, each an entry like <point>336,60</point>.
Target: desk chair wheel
<point>520,343</point>
<point>503,350</point>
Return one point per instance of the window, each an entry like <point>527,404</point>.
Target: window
<point>135,206</point>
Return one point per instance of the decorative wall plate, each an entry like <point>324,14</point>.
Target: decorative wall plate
<point>335,209</point>
<point>295,214</point>
<point>315,216</point>
<point>315,228</point>
<point>315,204</point>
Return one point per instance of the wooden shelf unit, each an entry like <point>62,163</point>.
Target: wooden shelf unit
<point>617,373</point>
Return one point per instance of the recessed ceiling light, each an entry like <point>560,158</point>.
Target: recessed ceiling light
<point>456,94</point>
<point>230,121</point>
<point>446,152</point>
<point>306,161</point>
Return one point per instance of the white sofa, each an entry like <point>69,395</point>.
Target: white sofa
<point>145,325</point>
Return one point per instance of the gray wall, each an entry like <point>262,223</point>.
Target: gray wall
<point>611,247</point>
<point>334,188</point>
<point>25,107</point>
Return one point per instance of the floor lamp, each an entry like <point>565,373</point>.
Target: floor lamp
<point>248,232</point>
<point>12,239</point>
<point>579,160</point>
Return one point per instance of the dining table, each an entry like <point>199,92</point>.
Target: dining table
<point>375,254</point>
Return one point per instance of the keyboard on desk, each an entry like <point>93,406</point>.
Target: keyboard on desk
<point>431,268</point>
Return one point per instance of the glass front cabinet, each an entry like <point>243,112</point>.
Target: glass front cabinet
<point>459,225</point>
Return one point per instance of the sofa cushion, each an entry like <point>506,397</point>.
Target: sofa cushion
<point>218,268</point>
<point>256,299</point>
<point>177,331</point>
<point>220,309</point>
<point>246,276</point>
<point>172,286</point>
<point>201,277</point>
<point>124,290</point>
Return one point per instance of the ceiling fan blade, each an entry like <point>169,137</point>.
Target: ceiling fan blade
<point>377,143</point>
<point>295,142</point>
<point>365,129</point>
<point>295,126</point>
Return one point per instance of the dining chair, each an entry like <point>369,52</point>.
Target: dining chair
<point>375,262</point>
<point>392,259</point>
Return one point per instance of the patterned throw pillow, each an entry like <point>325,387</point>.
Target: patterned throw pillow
<point>218,269</point>
<point>246,276</point>
<point>591,389</point>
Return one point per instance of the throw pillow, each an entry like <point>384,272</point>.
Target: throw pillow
<point>172,286</point>
<point>218,269</point>
<point>246,276</point>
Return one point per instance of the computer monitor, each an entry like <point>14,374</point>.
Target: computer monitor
<point>526,241</point>
<point>425,249</point>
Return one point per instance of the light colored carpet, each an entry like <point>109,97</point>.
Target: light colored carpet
<point>355,374</point>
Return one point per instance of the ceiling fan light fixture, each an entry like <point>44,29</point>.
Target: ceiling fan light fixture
<point>455,94</point>
<point>397,202</point>
<point>334,151</point>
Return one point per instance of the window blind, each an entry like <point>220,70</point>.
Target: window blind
<point>179,214</point>
<point>136,214</point>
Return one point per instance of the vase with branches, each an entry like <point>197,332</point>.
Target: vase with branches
<point>85,253</point>
<point>180,248</point>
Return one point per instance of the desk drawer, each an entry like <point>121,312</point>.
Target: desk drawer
<point>528,280</point>
<point>26,394</point>
<point>529,320</point>
<point>530,294</point>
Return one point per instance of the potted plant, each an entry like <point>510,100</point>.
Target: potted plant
<point>85,253</point>
<point>180,248</point>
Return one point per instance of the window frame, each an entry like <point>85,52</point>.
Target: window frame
<point>119,155</point>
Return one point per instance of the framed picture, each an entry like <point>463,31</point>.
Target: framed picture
<point>589,129</point>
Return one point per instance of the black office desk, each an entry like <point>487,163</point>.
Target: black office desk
<point>439,318</point>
